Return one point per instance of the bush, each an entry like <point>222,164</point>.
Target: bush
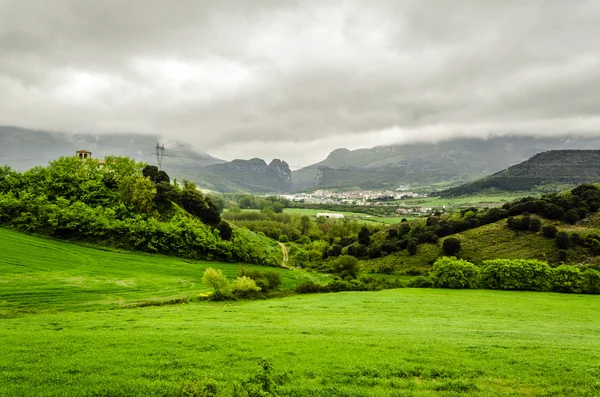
<point>266,281</point>
<point>549,231</point>
<point>283,238</point>
<point>591,281</point>
<point>567,279</point>
<point>451,246</point>
<point>244,287</point>
<point>562,240</point>
<point>412,246</point>
<point>516,274</point>
<point>420,282</point>
<point>310,287</point>
<point>576,239</point>
<point>217,280</point>
<point>450,272</point>
<point>346,266</point>
<point>535,224</point>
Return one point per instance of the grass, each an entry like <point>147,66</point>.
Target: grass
<point>365,218</point>
<point>392,343</point>
<point>483,200</point>
<point>57,341</point>
<point>44,274</point>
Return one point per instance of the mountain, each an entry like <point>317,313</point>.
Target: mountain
<point>424,164</point>
<point>556,167</point>
<point>252,175</point>
<point>23,148</point>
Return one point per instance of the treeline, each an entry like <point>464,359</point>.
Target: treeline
<point>513,275</point>
<point>127,205</point>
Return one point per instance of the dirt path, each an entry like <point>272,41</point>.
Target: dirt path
<point>285,254</point>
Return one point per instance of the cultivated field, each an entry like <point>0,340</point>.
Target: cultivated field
<point>407,342</point>
<point>365,218</point>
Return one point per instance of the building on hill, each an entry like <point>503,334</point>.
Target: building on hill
<point>329,215</point>
<point>83,154</point>
<point>86,154</point>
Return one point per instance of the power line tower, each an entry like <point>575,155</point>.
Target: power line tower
<point>160,154</point>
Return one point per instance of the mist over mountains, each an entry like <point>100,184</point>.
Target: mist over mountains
<point>449,163</point>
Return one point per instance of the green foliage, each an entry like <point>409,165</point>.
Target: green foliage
<point>516,274</point>
<point>265,280</point>
<point>449,272</point>
<point>567,279</point>
<point>364,236</point>
<point>244,287</point>
<point>562,240</point>
<point>346,266</point>
<point>194,202</point>
<point>412,246</point>
<point>451,246</point>
<point>420,282</point>
<point>591,283</point>
<point>217,280</point>
<point>549,231</point>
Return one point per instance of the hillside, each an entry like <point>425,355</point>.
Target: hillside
<point>562,168</point>
<point>252,175</point>
<point>456,161</point>
<point>40,274</point>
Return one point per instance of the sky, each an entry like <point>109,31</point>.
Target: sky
<point>297,79</point>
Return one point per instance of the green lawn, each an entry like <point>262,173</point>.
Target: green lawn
<point>406,342</point>
<point>484,200</point>
<point>56,340</point>
<point>44,274</point>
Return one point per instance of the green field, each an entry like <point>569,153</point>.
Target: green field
<point>365,218</point>
<point>487,200</point>
<point>44,274</point>
<point>57,341</point>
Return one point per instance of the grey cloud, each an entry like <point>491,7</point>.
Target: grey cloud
<point>269,73</point>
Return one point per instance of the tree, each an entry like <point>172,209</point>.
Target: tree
<point>346,266</point>
<point>216,279</point>
<point>150,171</point>
<point>364,236</point>
<point>198,205</point>
<point>451,246</point>
<point>562,240</point>
<point>304,224</point>
<point>549,231</point>
<point>225,230</point>
<point>139,192</point>
<point>449,272</point>
<point>412,246</point>
<point>278,208</point>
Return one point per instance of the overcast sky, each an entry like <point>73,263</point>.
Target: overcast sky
<point>297,79</point>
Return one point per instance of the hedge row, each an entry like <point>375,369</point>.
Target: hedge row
<point>514,275</point>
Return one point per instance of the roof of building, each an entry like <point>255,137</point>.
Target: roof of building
<point>82,151</point>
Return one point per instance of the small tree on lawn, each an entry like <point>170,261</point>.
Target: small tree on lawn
<point>216,279</point>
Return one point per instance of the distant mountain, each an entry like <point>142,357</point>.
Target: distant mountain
<point>555,167</point>
<point>456,161</point>
<point>252,175</point>
<point>23,148</point>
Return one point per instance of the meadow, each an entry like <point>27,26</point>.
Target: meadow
<point>360,217</point>
<point>475,200</point>
<point>59,339</point>
<point>39,274</point>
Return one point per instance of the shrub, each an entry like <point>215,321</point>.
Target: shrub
<point>567,279</point>
<point>225,230</point>
<point>563,255</point>
<point>420,282</point>
<point>450,272</point>
<point>535,224</point>
<point>549,231</point>
<point>244,287</point>
<point>283,238</point>
<point>310,287</point>
<point>562,240</point>
<point>576,239</point>
<point>451,246</point>
<point>412,246</point>
<point>591,281</point>
<point>346,266</point>
<point>516,274</point>
<point>266,281</point>
<point>216,279</point>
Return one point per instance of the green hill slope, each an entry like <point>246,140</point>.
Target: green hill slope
<point>40,274</point>
<point>556,167</point>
